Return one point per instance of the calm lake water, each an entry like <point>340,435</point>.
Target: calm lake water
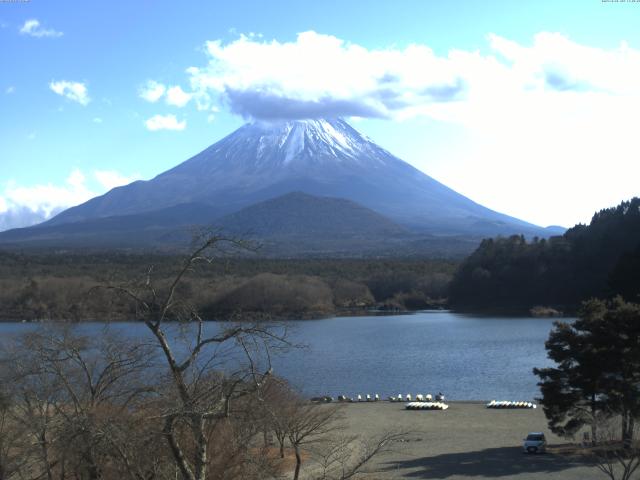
<point>466,357</point>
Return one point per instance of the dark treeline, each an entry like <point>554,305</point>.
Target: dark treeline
<point>57,285</point>
<point>598,260</point>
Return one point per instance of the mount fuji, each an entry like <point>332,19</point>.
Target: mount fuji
<point>260,162</point>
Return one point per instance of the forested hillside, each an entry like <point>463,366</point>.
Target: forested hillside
<point>58,285</point>
<point>601,259</point>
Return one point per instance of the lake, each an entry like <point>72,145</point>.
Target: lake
<point>466,357</point>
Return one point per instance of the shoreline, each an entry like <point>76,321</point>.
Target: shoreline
<point>340,314</point>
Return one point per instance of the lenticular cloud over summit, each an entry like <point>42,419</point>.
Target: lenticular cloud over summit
<point>321,76</point>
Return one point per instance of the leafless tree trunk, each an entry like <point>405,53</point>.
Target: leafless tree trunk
<point>594,422</point>
<point>345,457</point>
<point>310,424</point>
<point>617,459</point>
<point>276,401</point>
<point>197,404</point>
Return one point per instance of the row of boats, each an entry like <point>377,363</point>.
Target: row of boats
<point>419,398</point>
<point>426,406</point>
<point>359,398</point>
<point>376,398</point>
<point>422,402</point>
<point>508,404</point>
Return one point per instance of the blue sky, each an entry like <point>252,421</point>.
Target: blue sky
<point>543,126</point>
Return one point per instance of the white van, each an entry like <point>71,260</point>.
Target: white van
<point>535,443</point>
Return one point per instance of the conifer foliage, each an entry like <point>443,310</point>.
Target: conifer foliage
<point>598,369</point>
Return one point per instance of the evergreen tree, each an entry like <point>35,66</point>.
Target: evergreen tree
<point>617,342</point>
<point>625,277</point>
<point>597,369</point>
<point>598,260</point>
<point>571,392</point>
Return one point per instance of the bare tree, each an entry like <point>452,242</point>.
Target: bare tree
<point>276,402</point>
<point>614,457</point>
<point>310,424</point>
<point>345,457</point>
<point>316,433</point>
<point>12,441</point>
<point>197,401</point>
<point>70,395</point>
<point>33,406</point>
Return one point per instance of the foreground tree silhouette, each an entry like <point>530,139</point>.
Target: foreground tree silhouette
<point>598,369</point>
<point>570,391</point>
<point>78,406</point>
<point>206,376</point>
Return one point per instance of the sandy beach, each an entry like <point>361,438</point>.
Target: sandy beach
<point>465,441</point>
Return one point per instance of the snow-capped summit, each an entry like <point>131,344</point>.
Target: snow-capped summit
<point>309,140</point>
<point>296,145</point>
<point>324,157</point>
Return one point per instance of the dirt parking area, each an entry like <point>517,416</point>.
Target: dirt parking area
<point>465,441</point>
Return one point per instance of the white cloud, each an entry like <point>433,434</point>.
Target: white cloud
<point>33,28</point>
<point>177,97</point>
<point>165,122</point>
<point>96,120</point>
<point>47,198</point>
<point>21,206</point>
<point>549,127</point>
<point>19,217</point>
<point>9,90</point>
<point>74,91</point>
<point>152,91</point>
<point>320,75</point>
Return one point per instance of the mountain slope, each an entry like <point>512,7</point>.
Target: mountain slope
<point>329,158</point>
<point>121,231</point>
<point>292,225</point>
<point>301,215</point>
<point>299,224</point>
